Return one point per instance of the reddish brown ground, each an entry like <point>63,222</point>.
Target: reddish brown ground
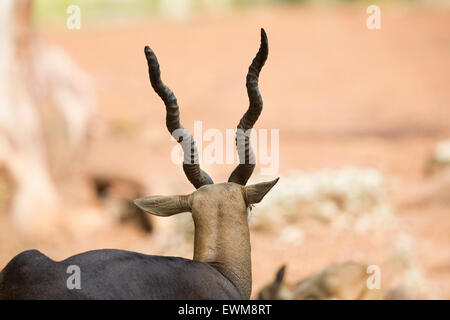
<point>339,93</point>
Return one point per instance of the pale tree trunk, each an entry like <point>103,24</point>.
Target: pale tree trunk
<point>32,74</point>
<point>22,148</point>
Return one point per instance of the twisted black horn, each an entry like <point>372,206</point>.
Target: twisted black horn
<point>247,160</point>
<point>191,167</point>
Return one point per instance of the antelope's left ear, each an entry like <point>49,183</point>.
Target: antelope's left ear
<point>256,192</point>
<point>164,206</point>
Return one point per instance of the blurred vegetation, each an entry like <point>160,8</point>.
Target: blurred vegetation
<point>94,11</point>
<point>48,11</point>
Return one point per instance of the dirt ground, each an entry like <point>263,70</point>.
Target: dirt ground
<point>339,93</point>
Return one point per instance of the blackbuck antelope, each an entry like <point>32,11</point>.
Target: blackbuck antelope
<point>221,267</point>
<point>344,281</point>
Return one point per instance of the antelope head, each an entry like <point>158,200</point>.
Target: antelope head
<point>219,210</point>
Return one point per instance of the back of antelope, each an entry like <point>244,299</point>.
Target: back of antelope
<point>221,266</point>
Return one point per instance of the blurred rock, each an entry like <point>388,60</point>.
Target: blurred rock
<point>350,198</point>
<point>439,159</point>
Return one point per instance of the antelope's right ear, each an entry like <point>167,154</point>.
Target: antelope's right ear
<point>164,206</point>
<point>256,192</point>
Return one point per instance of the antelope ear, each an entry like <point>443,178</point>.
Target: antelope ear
<point>276,285</point>
<point>164,206</point>
<point>256,192</point>
<point>280,275</point>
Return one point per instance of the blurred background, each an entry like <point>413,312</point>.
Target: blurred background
<point>363,115</point>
